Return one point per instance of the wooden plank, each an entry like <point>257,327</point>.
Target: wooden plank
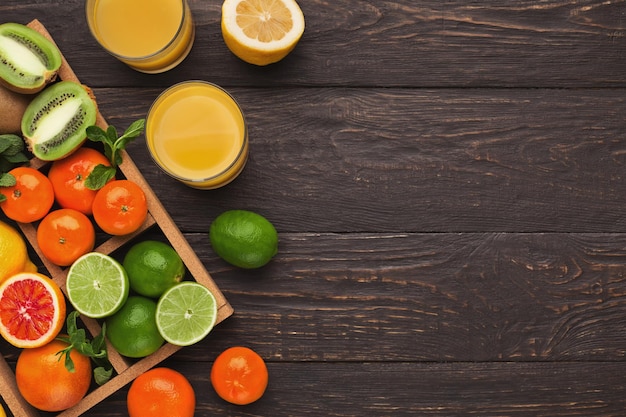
<point>401,160</point>
<point>426,297</point>
<point>420,389</point>
<point>430,43</point>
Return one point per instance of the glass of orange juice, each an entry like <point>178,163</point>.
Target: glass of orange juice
<point>197,133</point>
<point>151,36</point>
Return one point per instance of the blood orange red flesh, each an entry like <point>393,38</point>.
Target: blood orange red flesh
<point>32,310</point>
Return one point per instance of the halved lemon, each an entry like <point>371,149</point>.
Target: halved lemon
<point>261,32</point>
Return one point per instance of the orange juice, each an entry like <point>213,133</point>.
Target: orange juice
<point>196,132</point>
<point>148,35</point>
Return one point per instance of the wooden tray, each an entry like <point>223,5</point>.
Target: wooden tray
<point>125,370</point>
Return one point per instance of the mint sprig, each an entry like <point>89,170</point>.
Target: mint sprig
<point>96,349</point>
<point>113,145</point>
<point>11,155</point>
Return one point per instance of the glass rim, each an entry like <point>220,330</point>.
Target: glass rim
<point>94,34</point>
<point>244,142</point>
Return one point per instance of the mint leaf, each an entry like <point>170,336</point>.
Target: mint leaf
<point>96,349</point>
<point>113,145</point>
<point>96,134</point>
<point>102,375</point>
<point>99,176</point>
<point>11,153</point>
<point>17,158</point>
<point>7,180</point>
<point>11,144</point>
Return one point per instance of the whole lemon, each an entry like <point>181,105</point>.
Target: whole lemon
<point>243,238</point>
<point>13,253</point>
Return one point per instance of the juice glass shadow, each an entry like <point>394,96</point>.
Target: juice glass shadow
<point>197,134</point>
<point>150,36</point>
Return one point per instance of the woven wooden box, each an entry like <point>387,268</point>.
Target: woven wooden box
<point>125,370</point>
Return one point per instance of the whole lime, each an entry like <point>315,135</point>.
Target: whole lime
<point>243,238</point>
<point>153,267</point>
<point>132,331</point>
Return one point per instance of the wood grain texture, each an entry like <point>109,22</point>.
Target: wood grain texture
<point>430,43</point>
<point>423,389</point>
<point>404,160</point>
<point>447,181</point>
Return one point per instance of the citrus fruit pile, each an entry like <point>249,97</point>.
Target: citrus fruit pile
<point>141,308</point>
<point>66,231</point>
<point>143,300</point>
<point>32,314</point>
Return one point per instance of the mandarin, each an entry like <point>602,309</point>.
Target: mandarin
<point>161,392</point>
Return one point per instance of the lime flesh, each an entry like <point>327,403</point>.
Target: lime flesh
<point>186,313</point>
<point>97,285</point>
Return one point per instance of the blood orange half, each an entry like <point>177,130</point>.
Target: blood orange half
<point>32,310</point>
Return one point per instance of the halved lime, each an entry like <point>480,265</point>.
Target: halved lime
<point>186,313</point>
<point>97,285</point>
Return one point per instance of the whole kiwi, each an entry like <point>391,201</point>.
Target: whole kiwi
<point>12,107</point>
<point>55,123</point>
<point>28,60</point>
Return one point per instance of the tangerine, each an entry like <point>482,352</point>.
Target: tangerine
<point>65,235</point>
<point>68,176</point>
<point>30,199</point>
<point>120,207</point>
<point>44,381</point>
<point>161,392</point>
<point>239,375</point>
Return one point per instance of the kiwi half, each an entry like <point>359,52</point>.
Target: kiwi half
<point>55,122</point>
<point>28,60</point>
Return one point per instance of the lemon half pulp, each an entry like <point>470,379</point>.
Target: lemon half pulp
<point>261,32</point>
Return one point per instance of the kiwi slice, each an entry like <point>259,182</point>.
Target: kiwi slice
<point>55,123</point>
<point>28,60</point>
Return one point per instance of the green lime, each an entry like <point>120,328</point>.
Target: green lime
<point>186,313</point>
<point>132,331</point>
<point>243,238</point>
<point>153,267</point>
<point>97,285</point>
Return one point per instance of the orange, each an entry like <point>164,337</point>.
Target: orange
<point>120,207</point>
<point>68,177</point>
<point>30,199</point>
<point>65,235</point>
<point>161,392</point>
<point>239,375</point>
<point>32,309</point>
<point>45,383</point>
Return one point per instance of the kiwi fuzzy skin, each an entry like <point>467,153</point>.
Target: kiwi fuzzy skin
<point>12,108</point>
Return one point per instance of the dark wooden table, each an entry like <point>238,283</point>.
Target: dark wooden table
<point>448,183</point>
